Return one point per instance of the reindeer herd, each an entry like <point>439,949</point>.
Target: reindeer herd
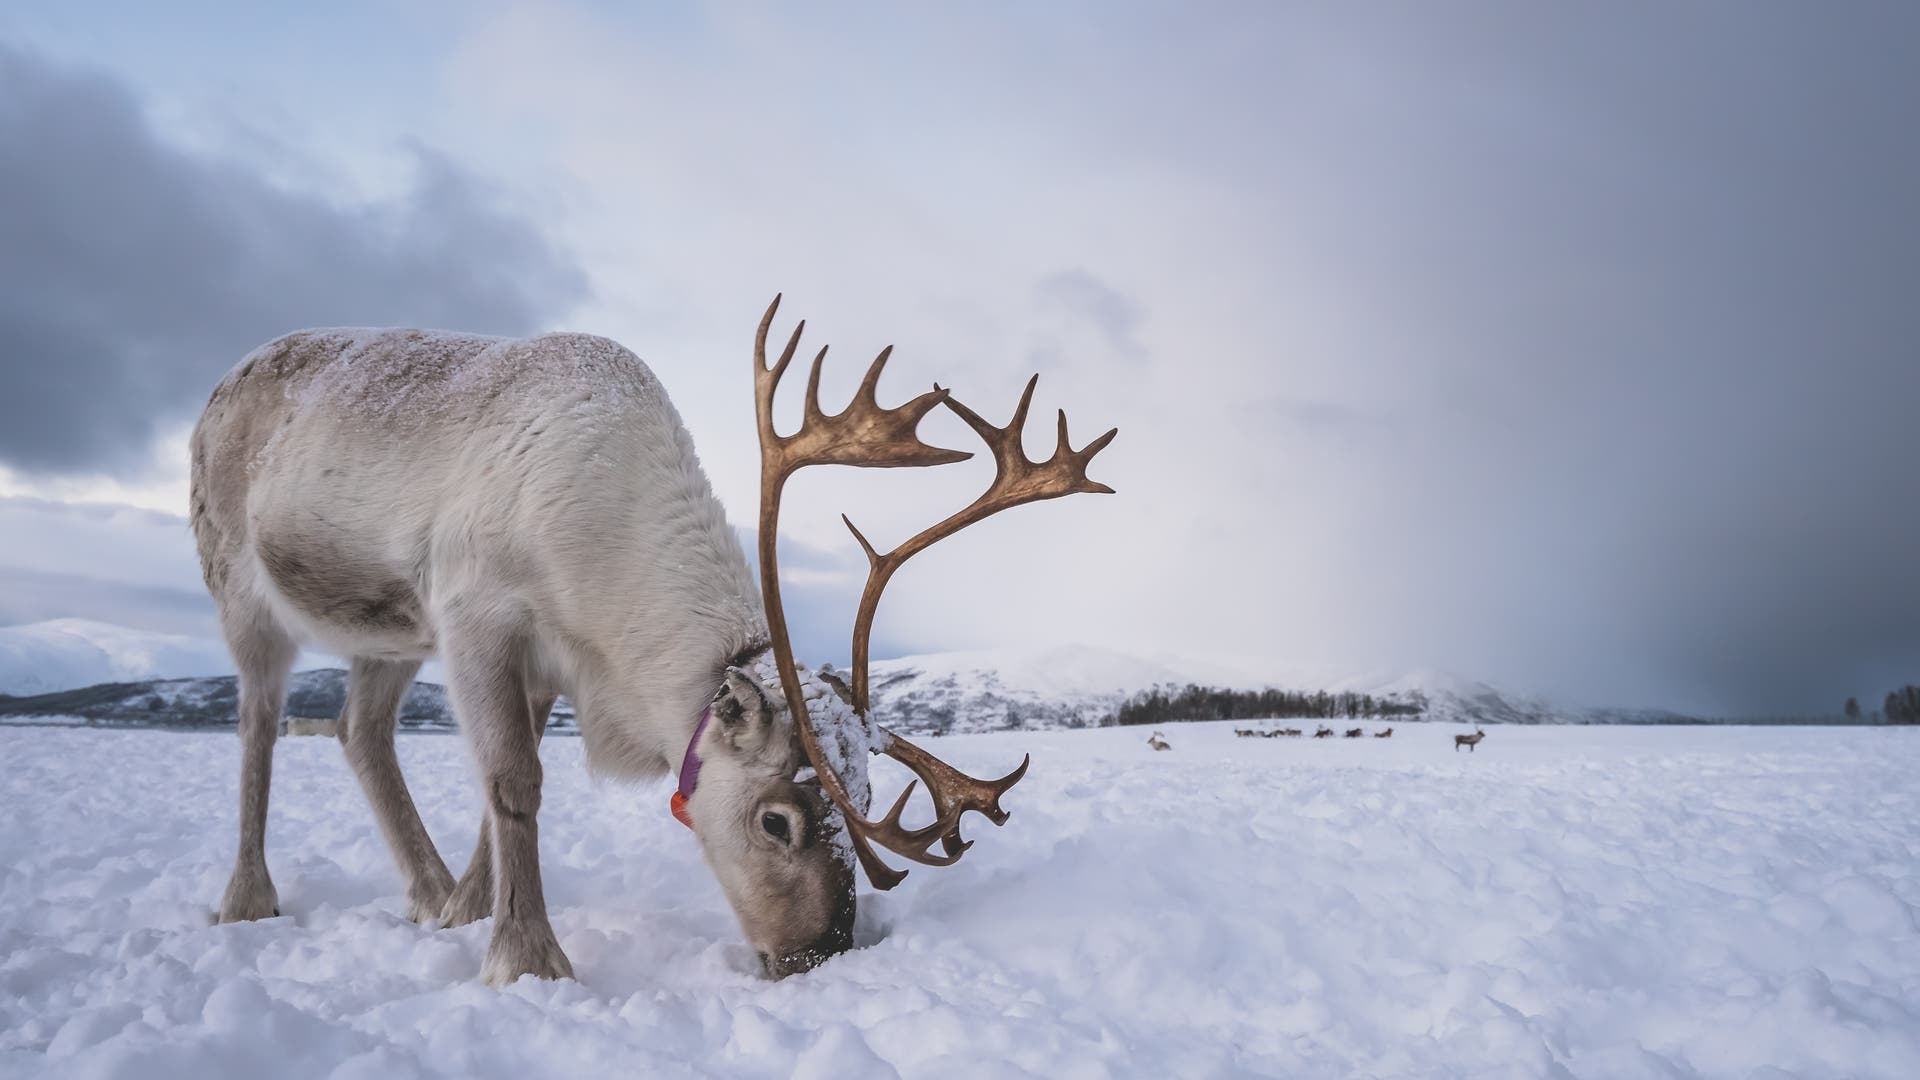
<point>1158,741</point>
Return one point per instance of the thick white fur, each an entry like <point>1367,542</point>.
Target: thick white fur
<point>538,482</point>
<point>532,511</point>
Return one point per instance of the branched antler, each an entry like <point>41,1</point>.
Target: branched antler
<point>868,435</point>
<point>1016,480</point>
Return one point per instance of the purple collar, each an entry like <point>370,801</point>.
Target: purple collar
<point>690,764</point>
<point>690,770</point>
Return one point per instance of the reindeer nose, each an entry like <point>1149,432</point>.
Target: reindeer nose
<point>837,939</point>
<point>779,967</point>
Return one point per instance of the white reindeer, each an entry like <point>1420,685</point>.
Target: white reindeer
<point>532,511</point>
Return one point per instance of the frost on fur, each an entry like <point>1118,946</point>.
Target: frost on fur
<point>847,738</point>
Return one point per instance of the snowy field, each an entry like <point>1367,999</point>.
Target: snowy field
<point>1587,902</point>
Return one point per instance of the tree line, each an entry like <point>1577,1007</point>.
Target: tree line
<point>1902,707</point>
<point>1162,705</point>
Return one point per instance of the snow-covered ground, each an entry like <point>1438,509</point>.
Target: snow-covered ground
<point>1589,902</point>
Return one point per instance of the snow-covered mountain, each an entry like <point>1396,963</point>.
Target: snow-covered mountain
<point>1080,686</point>
<point>212,701</point>
<point>1063,686</point>
<point>1453,699</point>
<point>66,654</point>
<point>1003,689</point>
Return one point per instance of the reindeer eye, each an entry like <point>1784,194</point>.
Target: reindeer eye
<point>776,826</point>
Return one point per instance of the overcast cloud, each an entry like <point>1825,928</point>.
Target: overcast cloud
<point>1571,348</point>
<point>132,274</point>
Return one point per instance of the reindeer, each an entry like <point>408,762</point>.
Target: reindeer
<point>1468,741</point>
<point>1387,734</point>
<point>1158,742</point>
<point>1244,733</point>
<point>1354,733</point>
<point>532,512</point>
<point>1324,732</point>
<point>1292,732</point>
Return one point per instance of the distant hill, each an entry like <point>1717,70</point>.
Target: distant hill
<point>213,702</point>
<point>102,674</point>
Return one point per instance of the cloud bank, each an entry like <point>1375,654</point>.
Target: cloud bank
<point>133,274</point>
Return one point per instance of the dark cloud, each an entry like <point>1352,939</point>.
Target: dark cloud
<point>1632,291</point>
<point>133,274</point>
<point>1654,279</point>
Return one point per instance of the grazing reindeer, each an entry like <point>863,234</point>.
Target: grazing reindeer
<point>1323,733</point>
<point>1354,733</point>
<point>1468,741</point>
<point>1292,732</point>
<point>1246,733</point>
<point>1387,734</point>
<point>1158,742</point>
<point>532,511</point>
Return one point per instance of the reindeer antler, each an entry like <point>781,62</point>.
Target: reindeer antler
<point>1016,480</point>
<point>866,434</point>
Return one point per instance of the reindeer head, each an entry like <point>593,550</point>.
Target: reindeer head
<point>772,839</point>
<point>781,885</point>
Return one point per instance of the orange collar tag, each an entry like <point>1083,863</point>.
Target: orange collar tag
<point>679,804</point>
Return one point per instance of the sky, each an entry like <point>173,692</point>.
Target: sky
<point>1575,349</point>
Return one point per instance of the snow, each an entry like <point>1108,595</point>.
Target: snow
<point>1566,901</point>
<point>65,654</point>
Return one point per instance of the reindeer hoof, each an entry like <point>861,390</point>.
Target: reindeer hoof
<point>471,901</point>
<point>522,948</point>
<point>249,897</point>
<point>426,901</point>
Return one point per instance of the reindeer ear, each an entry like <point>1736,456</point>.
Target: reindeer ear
<point>741,707</point>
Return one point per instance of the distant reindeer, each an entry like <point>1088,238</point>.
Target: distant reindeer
<point>1248,733</point>
<point>1468,741</point>
<point>1291,733</point>
<point>1387,734</point>
<point>1354,732</point>
<point>1324,733</point>
<point>1158,742</point>
<point>532,512</point>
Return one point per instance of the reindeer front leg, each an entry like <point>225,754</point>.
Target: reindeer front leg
<point>472,898</point>
<point>488,681</point>
<point>375,689</point>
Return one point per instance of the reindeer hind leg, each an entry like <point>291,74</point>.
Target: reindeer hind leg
<point>263,652</point>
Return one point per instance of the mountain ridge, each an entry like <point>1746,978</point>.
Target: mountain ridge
<point>1063,686</point>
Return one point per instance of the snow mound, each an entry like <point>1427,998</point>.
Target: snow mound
<point>1565,902</point>
<point>65,654</point>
